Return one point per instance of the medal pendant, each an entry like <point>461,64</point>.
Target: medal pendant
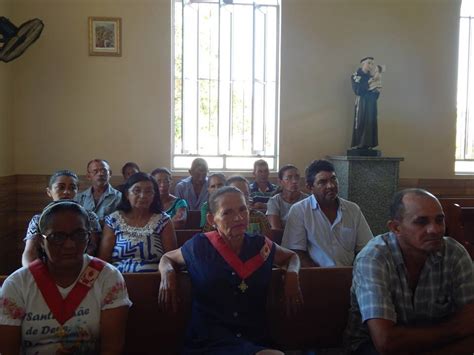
<point>243,286</point>
<point>61,332</point>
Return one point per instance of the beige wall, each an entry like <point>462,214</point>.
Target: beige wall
<point>6,130</point>
<point>322,42</point>
<point>80,107</point>
<point>69,107</point>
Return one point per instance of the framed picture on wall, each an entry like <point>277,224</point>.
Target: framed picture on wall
<point>105,36</point>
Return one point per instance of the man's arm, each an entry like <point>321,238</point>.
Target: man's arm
<point>364,234</point>
<point>388,337</point>
<point>305,259</point>
<point>294,236</point>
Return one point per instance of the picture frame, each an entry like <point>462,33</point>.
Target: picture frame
<point>105,36</point>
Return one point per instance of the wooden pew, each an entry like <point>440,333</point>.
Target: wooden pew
<point>277,235</point>
<point>194,219</point>
<point>183,235</point>
<point>320,324</point>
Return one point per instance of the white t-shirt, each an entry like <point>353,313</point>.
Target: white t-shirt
<point>277,206</point>
<point>22,304</point>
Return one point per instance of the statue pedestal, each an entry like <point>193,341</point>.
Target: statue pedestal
<point>370,182</point>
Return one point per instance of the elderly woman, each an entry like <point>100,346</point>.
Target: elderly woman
<point>176,208</point>
<point>258,222</point>
<point>279,205</point>
<point>230,273</point>
<point>65,302</point>
<point>138,233</point>
<point>63,184</point>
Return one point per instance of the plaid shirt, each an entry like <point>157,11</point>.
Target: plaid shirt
<point>380,287</point>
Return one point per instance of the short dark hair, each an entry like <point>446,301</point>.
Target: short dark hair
<point>315,167</point>
<point>199,162</point>
<point>129,164</point>
<point>60,206</point>
<point>60,173</point>
<point>397,207</point>
<point>97,161</point>
<point>259,162</point>
<point>218,175</point>
<point>216,195</point>
<point>124,204</point>
<point>236,178</point>
<point>284,168</point>
<point>161,171</point>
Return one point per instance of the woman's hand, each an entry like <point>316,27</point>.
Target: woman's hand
<point>168,295</point>
<point>168,292</point>
<point>292,293</point>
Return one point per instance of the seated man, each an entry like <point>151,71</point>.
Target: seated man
<point>324,229</point>
<point>412,289</point>
<point>194,188</point>
<point>128,170</point>
<point>101,198</point>
<point>261,189</point>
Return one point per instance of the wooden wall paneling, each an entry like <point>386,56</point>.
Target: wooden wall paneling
<point>8,237</point>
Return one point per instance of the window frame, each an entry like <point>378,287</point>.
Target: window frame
<point>272,159</point>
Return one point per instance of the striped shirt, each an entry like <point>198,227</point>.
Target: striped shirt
<point>380,287</point>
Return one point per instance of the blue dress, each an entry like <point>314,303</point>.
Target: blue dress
<point>224,319</point>
<point>137,249</point>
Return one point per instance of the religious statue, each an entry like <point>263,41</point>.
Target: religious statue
<point>366,84</point>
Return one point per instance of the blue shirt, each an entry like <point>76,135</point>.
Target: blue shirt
<point>380,287</point>
<point>184,189</point>
<point>224,319</point>
<point>308,229</point>
<point>107,204</point>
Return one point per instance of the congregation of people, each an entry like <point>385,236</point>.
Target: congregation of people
<point>412,290</point>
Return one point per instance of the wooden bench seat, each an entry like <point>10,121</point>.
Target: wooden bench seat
<point>319,325</point>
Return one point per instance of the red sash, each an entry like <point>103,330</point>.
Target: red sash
<point>63,309</point>
<point>242,269</point>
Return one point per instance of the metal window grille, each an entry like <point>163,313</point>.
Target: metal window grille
<point>226,82</point>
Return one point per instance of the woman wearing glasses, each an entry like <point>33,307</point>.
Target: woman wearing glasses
<point>65,302</point>
<point>279,205</point>
<point>139,232</point>
<point>63,184</point>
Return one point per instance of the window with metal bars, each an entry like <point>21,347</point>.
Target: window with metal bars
<point>465,98</point>
<point>226,83</point>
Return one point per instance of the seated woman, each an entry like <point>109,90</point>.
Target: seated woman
<point>176,208</point>
<point>258,222</point>
<point>237,267</point>
<point>63,184</point>
<point>279,205</point>
<point>138,233</point>
<point>214,181</point>
<point>128,170</point>
<point>65,302</point>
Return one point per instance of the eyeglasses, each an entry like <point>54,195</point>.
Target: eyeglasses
<point>58,238</point>
<point>138,192</point>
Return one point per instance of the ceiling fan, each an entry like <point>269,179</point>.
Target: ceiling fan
<point>17,39</point>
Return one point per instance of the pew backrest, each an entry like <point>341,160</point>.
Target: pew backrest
<point>320,324</point>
